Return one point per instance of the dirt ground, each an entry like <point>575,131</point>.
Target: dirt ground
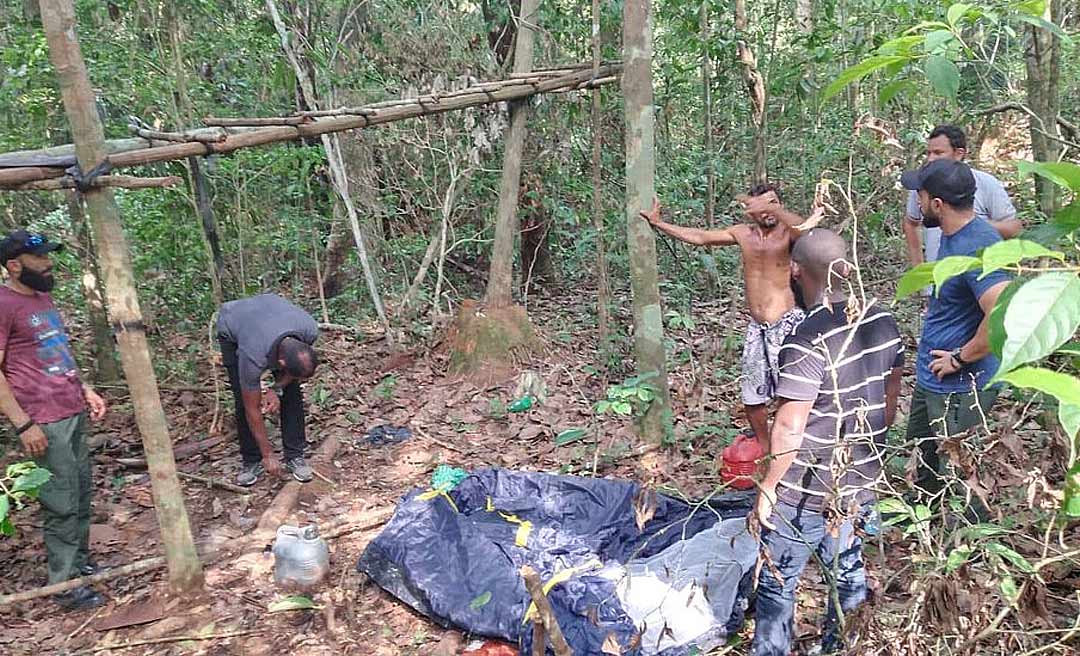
<point>363,385</point>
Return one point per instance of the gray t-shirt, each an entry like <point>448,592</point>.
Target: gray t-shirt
<point>991,203</point>
<point>257,325</point>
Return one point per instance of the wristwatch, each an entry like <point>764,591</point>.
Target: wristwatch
<point>955,355</point>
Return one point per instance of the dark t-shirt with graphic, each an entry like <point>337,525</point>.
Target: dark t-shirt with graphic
<point>37,362</point>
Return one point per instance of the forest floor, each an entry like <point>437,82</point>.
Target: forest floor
<point>363,385</point>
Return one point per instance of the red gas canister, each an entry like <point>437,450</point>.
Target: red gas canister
<point>740,462</point>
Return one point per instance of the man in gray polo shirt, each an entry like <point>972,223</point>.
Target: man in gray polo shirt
<point>267,333</point>
<point>991,200</point>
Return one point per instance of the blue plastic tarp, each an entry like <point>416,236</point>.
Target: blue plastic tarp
<point>456,557</point>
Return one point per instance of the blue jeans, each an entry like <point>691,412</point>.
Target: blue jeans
<point>799,533</point>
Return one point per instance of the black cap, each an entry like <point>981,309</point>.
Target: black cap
<point>947,179</point>
<point>21,241</point>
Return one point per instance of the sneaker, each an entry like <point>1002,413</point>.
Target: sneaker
<point>301,471</point>
<point>80,598</point>
<point>249,473</point>
<point>89,568</point>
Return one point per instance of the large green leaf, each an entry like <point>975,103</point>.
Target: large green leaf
<point>1063,387</point>
<point>1008,252</point>
<point>893,89</point>
<point>569,435</point>
<point>292,602</point>
<point>1042,316</point>
<point>1071,506</point>
<point>859,71</point>
<point>1064,174</point>
<point>31,480</point>
<point>943,74</point>
<point>938,40</point>
<point>915,279</point>
<point>953,265</point>
<point>1068,217</point>
<point>1053,28</point>
<point>956,12</point>
<point>1008,554</point>
<point>996,321</point>
<point>901,45</point>
<point>4,506</point>
<point>1069,417</point>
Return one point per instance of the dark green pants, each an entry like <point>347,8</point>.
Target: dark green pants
<point>942,415</point>
<point>65,499</point>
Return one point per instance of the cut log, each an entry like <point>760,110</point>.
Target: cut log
<point>185,450</point>
<point>544,612</point>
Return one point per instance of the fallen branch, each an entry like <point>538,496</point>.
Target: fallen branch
<point>543,609</point>
<point>216,122</point>
<point>137,567</point>
<point>213,482</point>
<point>166,640</point>
<point>185,450</point>
<point>379,518</point>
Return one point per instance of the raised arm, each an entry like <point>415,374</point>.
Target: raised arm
<point>768,203</point>
<point>696,236</point>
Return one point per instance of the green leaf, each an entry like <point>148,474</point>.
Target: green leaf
<point>901,45</point>
<point>5,505</point>
<point>922,513</point>
<point>1071,506</point>
<point>1053,28</point>
<point>938,40</point>
<point>1012,251</point>
<point>956,12</point>
<point>32,480</point>
<point>915,279</point>
<point>1063,387</point>
<point>292,602</point>
<point>1064,174</point>
<point>976,531</point>
<point>996,320</point>
<point>1032,7</point>
<point>480,600</point>
<point>943,74</point>
<point>645,394</point>
<point>1072,348</point>
<point>1068,217</point>
<point>893,506</point>
<point>622,408</point>
<point>569,435</point>
<point>957,557</point>
<point>1008,554</point>
<point>953,265</point>
<point>6,527</point>
<point>891,90</point>
<point>1069,417</point>
<point>1042,316</point>
<point>1009,589</point>
<point>859,71</point>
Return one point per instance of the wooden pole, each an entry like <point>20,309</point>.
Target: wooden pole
<point>205,208</point>
<point>185,571</point>
<point>133,154</point>
<point>640,193</point>
<point>121,181</point>
<point>105,364</point>
<point>501,275</point>
<point>706,99</point>
<point>544,611</point>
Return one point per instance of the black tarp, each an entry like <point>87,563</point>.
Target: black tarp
<point>456,557</point>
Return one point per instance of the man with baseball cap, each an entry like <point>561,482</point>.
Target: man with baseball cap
<point>954,361</point>
<point>46,402</point>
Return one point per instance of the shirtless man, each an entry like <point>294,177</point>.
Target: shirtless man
<point>765,244</point>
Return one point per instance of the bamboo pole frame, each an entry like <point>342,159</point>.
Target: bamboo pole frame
<point>247,136</point>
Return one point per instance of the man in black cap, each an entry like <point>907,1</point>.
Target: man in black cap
<point>43,397</point>
<point>268,333</point>
<point>954,361</point>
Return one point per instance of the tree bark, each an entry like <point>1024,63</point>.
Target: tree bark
<point>804,16</point>
<point>603,291</point>
<point>755,87</point>
<point>105,367</point>
<point>501,275</point>
<point>185,571</point>
<point>640,192</point>
<point>1043,59</point>
<point>706,97</point>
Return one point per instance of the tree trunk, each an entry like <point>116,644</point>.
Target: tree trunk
<point>105,367</point>
<point>603,292</point>
<point>755,87</point>
<point>706,96</point>
<point>501,276</point>
<point>804,16</point>
<point>536,268</point>
<point>185,571</point>
<point>640,191</point>
<point>1043,59</point>
<point>201,190</point>
<point>338,174</point>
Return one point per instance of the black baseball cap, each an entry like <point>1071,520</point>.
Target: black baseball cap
<point>21,241</point>
<point>947,179</point>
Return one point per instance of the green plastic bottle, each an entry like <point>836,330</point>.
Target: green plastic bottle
<point>522,404</point>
